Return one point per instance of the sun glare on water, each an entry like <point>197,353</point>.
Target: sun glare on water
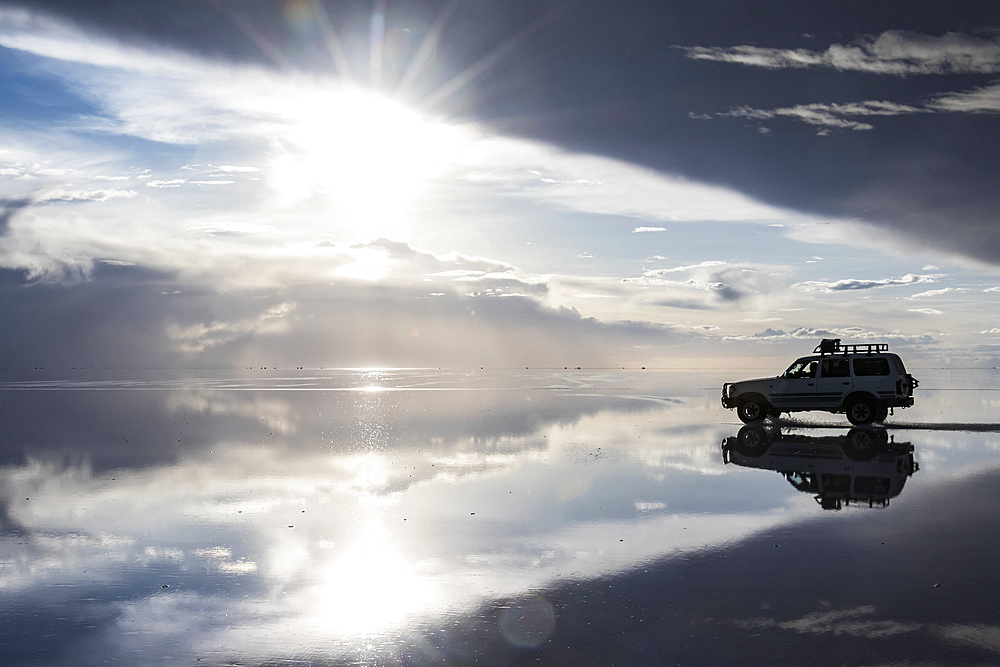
<point>366,157</point>
<point>370,587</point>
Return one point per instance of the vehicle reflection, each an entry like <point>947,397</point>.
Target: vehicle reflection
<point>863,467</point>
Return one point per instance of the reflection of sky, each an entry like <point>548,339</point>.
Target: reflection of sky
<point>220,518</point>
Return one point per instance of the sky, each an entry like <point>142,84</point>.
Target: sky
<point>496,184</point>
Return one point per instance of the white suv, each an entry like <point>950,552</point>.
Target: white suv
<point>864,381</point>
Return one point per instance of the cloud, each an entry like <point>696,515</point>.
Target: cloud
<point>828,115</point>
<point>710,284</point>
<point>258,120</point>
<point>935,292</point>
<point>843,116</point>
<point>985,99</point>
<point>591,183</point>
<point>137,319</point>
<point>639,230</point>
<point>8,208</point>
<point>851,284</point>
<point>197,338</point>
<point>846,333</point>
<point>894,52</point>
<point>925,311</point>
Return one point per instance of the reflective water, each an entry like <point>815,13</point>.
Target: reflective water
<point>428,516</point>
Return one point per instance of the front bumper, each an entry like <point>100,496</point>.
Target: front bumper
<point>728,401</point>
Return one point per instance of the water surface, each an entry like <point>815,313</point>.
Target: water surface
<point>442,516</point>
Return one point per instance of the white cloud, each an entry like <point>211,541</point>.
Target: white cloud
<point>925,311</point>
<point>709,284</point>
<point>851,284</point>
<point>894,52</point>
<point>639,230</point>
<point>172,183</point>
<point>595,184</point>
<point>980,100</point>
<point>936,292</point>
<point>828,115</point>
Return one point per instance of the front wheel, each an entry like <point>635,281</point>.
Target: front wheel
<point>752,440</point>
<point>752,410</point>
<point>862,410</point>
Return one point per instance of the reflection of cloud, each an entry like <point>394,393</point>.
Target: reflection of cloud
<point>976,635</point>
<point>325,529</point>
<point>856,622</point>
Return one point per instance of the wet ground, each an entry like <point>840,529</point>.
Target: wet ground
<point>449,517</point>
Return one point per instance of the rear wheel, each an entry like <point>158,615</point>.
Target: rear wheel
<point>752,410</point>
<point>862,410</point>
<point>862,444</point>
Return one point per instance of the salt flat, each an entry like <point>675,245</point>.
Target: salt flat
<point>455,515</point>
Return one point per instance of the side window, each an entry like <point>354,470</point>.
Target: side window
<point>803,368</point>
<point>871,366</point>
<point>836,368</point>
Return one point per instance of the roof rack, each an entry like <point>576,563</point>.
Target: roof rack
<point>833,346</point>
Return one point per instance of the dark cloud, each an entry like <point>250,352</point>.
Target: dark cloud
<point>8,208</point>
<point>126,317</point>
<point>616,79</point>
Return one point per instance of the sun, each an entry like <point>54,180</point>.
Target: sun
<point>364,157</point>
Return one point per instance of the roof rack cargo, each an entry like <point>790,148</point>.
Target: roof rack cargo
<point>833,346</point>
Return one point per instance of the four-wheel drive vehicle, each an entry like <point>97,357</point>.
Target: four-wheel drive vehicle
<point>863,381</point>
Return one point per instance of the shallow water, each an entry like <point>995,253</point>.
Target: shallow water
<point>425,516</point>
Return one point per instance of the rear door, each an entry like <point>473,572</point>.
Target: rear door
<point>834,382</point>
<point>875,375</point>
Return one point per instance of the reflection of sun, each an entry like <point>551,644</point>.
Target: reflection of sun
<point>370,587</point>
<point>365,154</point>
